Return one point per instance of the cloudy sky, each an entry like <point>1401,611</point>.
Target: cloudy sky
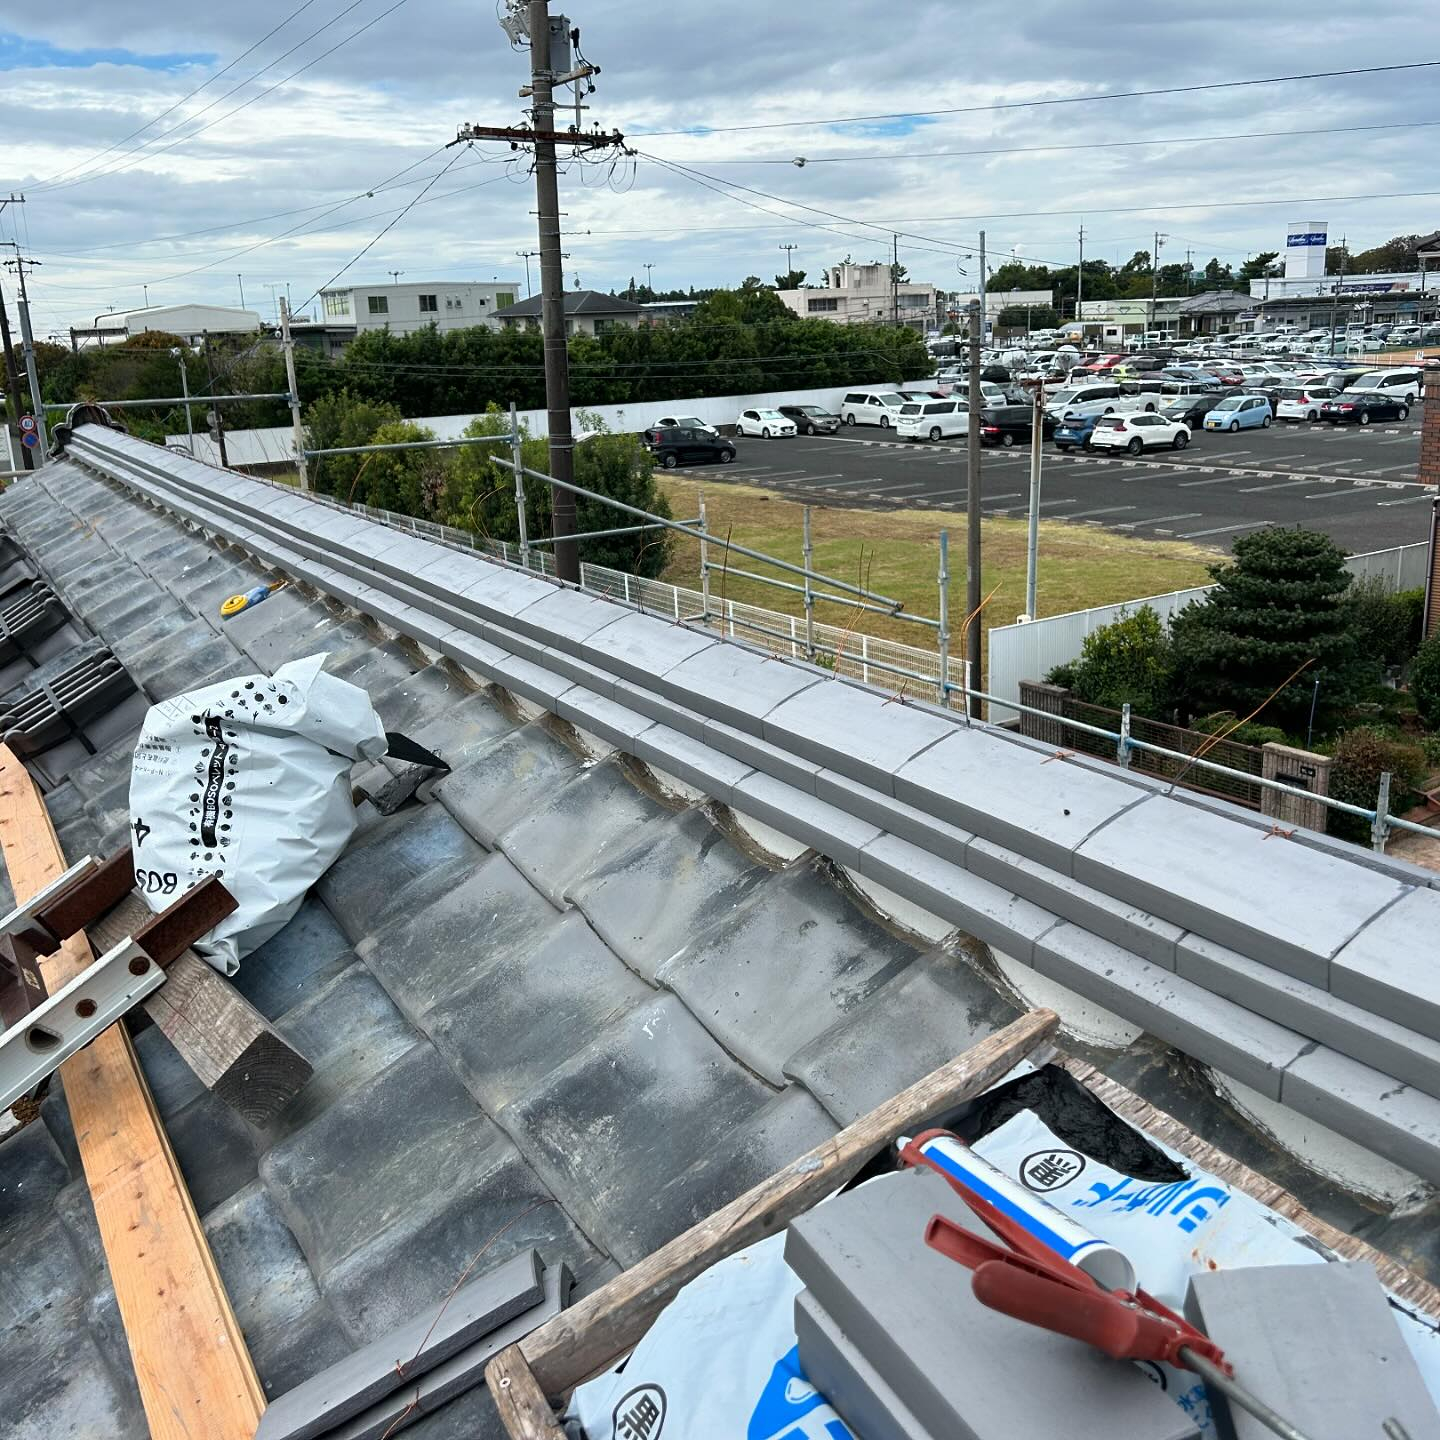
<point>190,150</point>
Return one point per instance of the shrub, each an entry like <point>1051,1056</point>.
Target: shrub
<point>1251,733</point>
<point>1127,661</point>
<point>1361,756</point>
<point>1425,681</point>
<point>1383,625</point>
<point>1062,675</point>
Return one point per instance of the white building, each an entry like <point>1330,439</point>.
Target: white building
<point>857,294</point>
<point>190,322</point>
<point>403,309</point>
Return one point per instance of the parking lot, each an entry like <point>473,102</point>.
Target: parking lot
<point>1356,484</point>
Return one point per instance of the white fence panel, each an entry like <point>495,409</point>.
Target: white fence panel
<point>1029,651</point>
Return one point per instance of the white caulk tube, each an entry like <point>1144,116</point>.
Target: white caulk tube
<point>1104,1264</point>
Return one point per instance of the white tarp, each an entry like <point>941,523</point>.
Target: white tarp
<point>248,779</point>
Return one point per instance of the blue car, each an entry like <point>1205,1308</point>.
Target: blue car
<point>1074,430</point>
<point>1240,412</point>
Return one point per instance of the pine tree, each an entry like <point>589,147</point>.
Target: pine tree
<point>1279,603</point>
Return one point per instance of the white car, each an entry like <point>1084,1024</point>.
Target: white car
<point>1400,382</point>
<point>871,407</point>
<point>933,419</point>
<point>683,422</point>
<point>764,423</point>
<point>1302,402</point>
<point>1135,432</point>
<point>1100,397</point>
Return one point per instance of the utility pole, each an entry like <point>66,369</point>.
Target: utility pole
<point>1032,545</point>
<point>526,256</point>
<point>984,311</point>
<point>789,249</point>
<point>648,266</point>
<point>1080,285</point>
<point>12,379</point>
<point>1155,274</point>
<point>1335,292</point>
<point>289,346</point>
<point>241,279</point>
<point>972,503</point>
<point>394,276</point>
<point>218,430</point>
<point>27,341</point>
<point>894,279</point>
<point>532,18</point>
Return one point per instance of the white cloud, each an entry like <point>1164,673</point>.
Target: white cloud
<point>399,91</point>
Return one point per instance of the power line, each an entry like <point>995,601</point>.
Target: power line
<point>1039,104</point>
<point>136,156</point>
<point>803,160</point>
<point>364,249</point>
<point>155,119</point>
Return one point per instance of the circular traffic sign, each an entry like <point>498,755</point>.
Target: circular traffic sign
<point>27,423</point>
<point>30,439</point>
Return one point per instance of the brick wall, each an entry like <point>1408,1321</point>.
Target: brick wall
<point>1430,430</point>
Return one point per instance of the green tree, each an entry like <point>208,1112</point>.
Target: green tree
<point>1384,625</point>
<point>1337,258</point>
<point>1425,681</point>
<point>339,420</point>
<point>1257,265</point>
<point>1395,254</point>
<point>1128,661</point>
<point>1034,317</point>
<point>1279,604</point>
<point>1361,756</point>
<point>480,495</point>
<point>790,280</point>
<point>409,482</point>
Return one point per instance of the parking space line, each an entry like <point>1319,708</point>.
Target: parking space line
<point>1339,490</point>
<point>1408,440</point>
<point>1218,480</point>
<point>1160,520</point>
<point>1073,500</point>
<point>1279,485</point>
<point>1107,510</point>
<point>1227,529</point>
<point>1224,454</point>
<point>1408,500</point>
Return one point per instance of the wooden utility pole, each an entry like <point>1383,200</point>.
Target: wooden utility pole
<point>894,279</point>
<point>27,341</point>
<point>543,138</point>
<point>972,516</point>
<point>218,429</point>
<point>12,379</point>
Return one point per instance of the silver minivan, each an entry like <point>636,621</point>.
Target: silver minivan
<point>1401,381</point>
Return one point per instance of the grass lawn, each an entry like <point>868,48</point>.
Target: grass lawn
<point>1080,565</point>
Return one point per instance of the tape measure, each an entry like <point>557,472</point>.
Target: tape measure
<point>236,603</point>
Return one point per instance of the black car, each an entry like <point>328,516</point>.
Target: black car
<point>1358,407</point>
<point>678,445</point>
<point>1190,409</point>
<point>1011,425</point>
<point>811,419</point>
<point>1270,389</point>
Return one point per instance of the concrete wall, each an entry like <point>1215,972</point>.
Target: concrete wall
<point>273,446</point>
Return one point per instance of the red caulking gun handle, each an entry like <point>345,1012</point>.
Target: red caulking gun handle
<point>1093,1316</point>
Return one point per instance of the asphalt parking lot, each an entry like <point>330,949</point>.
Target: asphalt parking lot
<point>1355,483</point>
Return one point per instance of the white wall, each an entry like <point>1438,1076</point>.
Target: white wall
<point>274,446</point>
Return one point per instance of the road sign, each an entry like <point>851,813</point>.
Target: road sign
<point>30,439</point>
<point>27,423</point>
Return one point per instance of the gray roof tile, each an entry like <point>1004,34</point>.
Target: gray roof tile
<point>679,878</point>
<point>783,967</point>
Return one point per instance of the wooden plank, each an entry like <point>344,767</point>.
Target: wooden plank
<point>195,1375</point>
<point>524,1411</point>
<point>1159,1125</point>
<point>601,1327</point>
<point>220,1035</point>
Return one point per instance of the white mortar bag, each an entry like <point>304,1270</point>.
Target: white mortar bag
<point>249,779</point>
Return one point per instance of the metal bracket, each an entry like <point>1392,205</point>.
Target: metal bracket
<point>55,1028</point>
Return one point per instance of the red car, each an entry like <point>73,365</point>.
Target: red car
<point>1100,364</point>
<point>1226,374</point>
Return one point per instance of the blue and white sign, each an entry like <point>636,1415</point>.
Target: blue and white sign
<point>1305,242</point>
<point>1306,237</point>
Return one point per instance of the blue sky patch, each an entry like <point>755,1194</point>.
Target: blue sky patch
<point>19,52</point>
<point>906,125</point>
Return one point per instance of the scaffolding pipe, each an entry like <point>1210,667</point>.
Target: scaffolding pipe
<point>808,554</point>
<point>580,535</point>
<point>170,400</point>
<point>411,445</point>
<point>516,459</point>
<point>704,562</point>
<point>943,625</point>
<point>894,607</point>
<point>844,600</point>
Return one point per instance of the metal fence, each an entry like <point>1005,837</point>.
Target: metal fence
<point>1031,650</point>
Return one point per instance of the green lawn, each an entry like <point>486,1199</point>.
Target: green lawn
<point>897,553</point>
